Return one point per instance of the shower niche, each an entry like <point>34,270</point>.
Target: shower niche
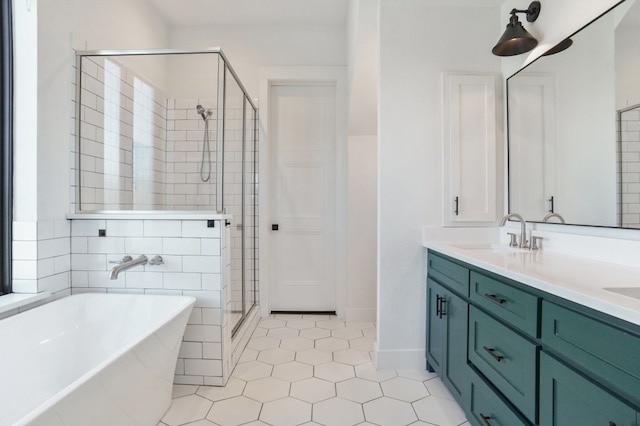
<point>170,131</point>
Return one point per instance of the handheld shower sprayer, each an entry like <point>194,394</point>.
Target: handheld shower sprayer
<point>205,163</point>
<point>203,112</point>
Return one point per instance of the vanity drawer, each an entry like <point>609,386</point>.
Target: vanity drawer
<point>606,351</point>
<point>507,359</point>
<point>487,407</point>
<point>448,273</point>
<point>514,306</point>
<point>569,398</point>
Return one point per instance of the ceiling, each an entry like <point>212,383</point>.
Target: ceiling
<point>207,12</point>
<point>306,12</point>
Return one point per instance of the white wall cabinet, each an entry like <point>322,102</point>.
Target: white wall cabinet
<point>532,145</point>
<point>469,151</point>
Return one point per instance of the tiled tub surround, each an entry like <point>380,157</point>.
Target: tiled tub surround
<point>196,263</point>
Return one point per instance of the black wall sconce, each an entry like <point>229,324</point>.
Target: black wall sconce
<point>516,39</point>
<point>564,44</point>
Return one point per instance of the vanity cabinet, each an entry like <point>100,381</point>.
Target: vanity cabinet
<point>568,398</point>
<point>446,336</point>
<point>514,355</point>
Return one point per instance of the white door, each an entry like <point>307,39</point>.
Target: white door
<point>303,191</point>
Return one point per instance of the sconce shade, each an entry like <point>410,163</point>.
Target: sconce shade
<point>515,40</point>
<point>564,44</point>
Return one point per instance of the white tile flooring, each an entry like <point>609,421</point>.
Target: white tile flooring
<point>314,370</point>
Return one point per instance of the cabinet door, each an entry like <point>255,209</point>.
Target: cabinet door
<point>469,173</point>
<point>567,398</point>
<point>436,326</point>
<point>455,311</point>
<point>447,336</point>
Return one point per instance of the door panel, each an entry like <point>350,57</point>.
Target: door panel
<point>303,145</point>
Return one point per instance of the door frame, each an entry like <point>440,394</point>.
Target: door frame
<point>270,76</point>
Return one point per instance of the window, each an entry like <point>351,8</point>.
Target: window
<point>6,145</point>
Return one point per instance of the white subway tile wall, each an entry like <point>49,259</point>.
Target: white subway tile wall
<point>629,170</point>
<point>139,149</point>
<point>123,122</point>
<point>195,257</point>
<point>41,259</point>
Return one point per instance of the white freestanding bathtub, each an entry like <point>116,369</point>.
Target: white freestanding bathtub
<point>91,359</point>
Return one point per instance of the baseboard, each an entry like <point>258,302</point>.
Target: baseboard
<point>403,359</point>
<point>361,314</point>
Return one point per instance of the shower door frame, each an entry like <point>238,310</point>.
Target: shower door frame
<point>226,67</point>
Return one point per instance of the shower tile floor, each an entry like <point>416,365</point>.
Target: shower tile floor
<point>315,370</point>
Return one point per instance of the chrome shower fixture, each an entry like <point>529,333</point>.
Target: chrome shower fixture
<point>205,113</point>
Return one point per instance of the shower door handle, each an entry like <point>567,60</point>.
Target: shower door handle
<point>275,226</point>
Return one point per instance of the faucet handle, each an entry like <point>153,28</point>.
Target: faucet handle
<point>534,242</point>
<point>514,241</point>
<point>124,259</point>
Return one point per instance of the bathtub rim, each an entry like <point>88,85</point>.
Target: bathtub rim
<point>187,304</point>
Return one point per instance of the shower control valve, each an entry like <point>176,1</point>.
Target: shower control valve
<point>156,260</point>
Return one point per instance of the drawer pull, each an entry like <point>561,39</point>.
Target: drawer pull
<point>485,419</point>
<point>492,352</point>
<point>495,299</point>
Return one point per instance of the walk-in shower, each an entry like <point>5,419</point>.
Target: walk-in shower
<point>167,130</point>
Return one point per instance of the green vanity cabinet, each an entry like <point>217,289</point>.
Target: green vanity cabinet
<point>506,359</point>
<point>484,406</point>
<point>448,273</point>
<point>447,337</point>
<point>568,398</point>
<point>515,355</point>
<point>609,352</point>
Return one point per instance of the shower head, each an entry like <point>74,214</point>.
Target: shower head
<point>203,112</point>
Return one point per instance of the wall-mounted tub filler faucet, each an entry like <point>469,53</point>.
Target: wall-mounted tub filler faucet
<point>523,228</point>
<point>550,215</point>
<point>126,263</point>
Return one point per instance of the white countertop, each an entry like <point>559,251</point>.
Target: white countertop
<point>577,279</point>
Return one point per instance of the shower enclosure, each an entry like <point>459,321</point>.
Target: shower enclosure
<point>629,167</point>
<point>170,130</point>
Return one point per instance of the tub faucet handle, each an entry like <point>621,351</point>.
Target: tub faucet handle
<point>126,258</point>
<point>156,260</point>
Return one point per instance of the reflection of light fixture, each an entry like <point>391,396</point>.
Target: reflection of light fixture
<point>516,39</point>
<point>564,44</point>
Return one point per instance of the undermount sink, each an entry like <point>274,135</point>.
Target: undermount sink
<point>495,247</point>
<point>626,291</point>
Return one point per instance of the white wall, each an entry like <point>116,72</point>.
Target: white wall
<point>362,70</point>
<point>64,26</point>
<point>417,43</point>
<point>249,47</point>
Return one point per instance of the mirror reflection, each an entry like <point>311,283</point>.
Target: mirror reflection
<point>574,128</point>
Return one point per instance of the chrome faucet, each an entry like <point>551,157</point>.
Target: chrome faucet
<point>550,215</point>
<point>126,263</point>
<point>523,228</point>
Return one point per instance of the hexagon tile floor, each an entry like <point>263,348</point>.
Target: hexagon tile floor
<point>314,370</point>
